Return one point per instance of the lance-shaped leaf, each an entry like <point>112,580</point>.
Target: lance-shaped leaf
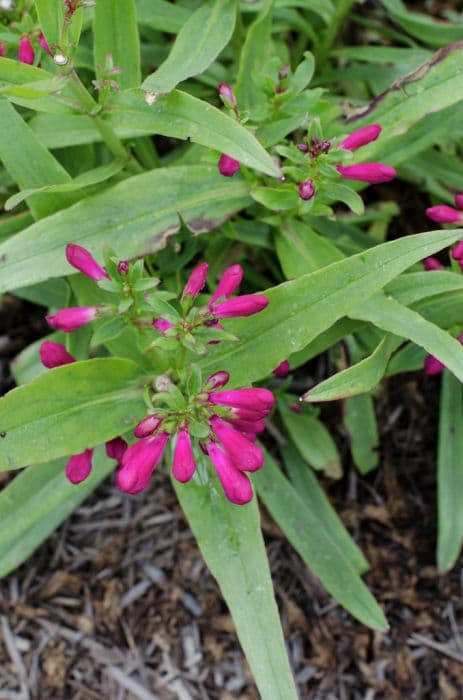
<point>51,18</point>
<point>199,42</point>
<point>360,422</point>
<point>231,542</point>
<point>69,409</point>
<point>162,15</point>
<point>314,442</point>
<point>302,309</point>
<point>116,33</point>
<point>37,501</point>
<point>136,215</point>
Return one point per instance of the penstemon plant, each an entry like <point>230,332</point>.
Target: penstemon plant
<point>245,149</point>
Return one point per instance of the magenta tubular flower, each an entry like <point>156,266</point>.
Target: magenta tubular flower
<point>54,355</point>
<point>459,201</point>
<point>217,380</point>
<point>196,281</point>
<point>79,467</point>
<point>306,190</point>
<point>139,462</point>
<point>245,305</point>
<point>228,166</point>
<point>258,400</point>
<point>457,252</point>
<point>432,264</point>
<point>68,320</point>
<point>184,465</point>
<point>228,283</point>
<point>162,325</point>
<point>361,137</point>
<point>283,369</point>
<point>44,44</point>
<point>373,173</point>
<point>432,365</point>
<point>83,260</point>
<point>116,448</point>
<point>245,455</point>
<point>227,94</point>
<point>443,214</point>
<point>235,484</point>
<point>2,49</point>
<point>147,426</point>
<point>244,426</point>
<point>26,52</point>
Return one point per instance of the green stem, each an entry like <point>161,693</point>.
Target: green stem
<point>343,8</point>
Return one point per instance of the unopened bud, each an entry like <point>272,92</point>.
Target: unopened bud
<point>306,190</point>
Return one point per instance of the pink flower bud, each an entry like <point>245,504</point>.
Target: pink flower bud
<point>282,370</point>
<point>258,400</point>
<point>116,448</point>
<point>228,166</point>
<point>459,201</point>
<point>306,189</point>
<point>295,408</point>
<point>147,426</point>
<point>217,380</point>
<point>196,281</point>
<point>227,94</point>
<point>457,252</point>
<point>139,462</point>
<point>361,137</point>
<point>244,426</point>
<point>235,484</point>
<point>303,147</point>
<point>25,51</point>
<point>74,317</point>
<point>44,44</point>
<point>443,214</point>
<point>123,267</point>
<point>54,355</point>
<point>245,305</point>
<point>162,325</point>
<point>2,49</point>
<point>432,264</point>
<point>245,455</point>
<point>79,467</point>
<point>374,173</point>
<point>184,465</point>
<point>82,260</point>
<point>432,365</point>
<point>228,283</point>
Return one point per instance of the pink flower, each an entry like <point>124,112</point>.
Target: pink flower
<point>457,252</point>
<point>25,51</point>
<point>247,426</point>
<point>443,214</point>
<point>54,355</point>
<point>2,49</point>
<point>235,484</point>
<point>459,201</point>
<point>374,173</point>
<point>79,467</point>
<point>162,325</point>
<point>227,94</point>
<point>139,462</point>
<point>282,370</point>
<point>432,264</point>
<point>184,464</point>
<point>44,44</point>
<point>70,319</point>
<point>245,455</point>
<point>302,147</point>
<point>196,281</point>
<point>83,260</point>
<point>228,283</point>
<point>228,166</point>
<point>147,426</point>
<point>306,190</point>
<point>258,400</point>
<point>116,448</point>
<point>432,365</point>
<point>361,137</point>
<point>123,267</point>
<point>245,305</point>
<point>217,380</point>
<point>295,407</point>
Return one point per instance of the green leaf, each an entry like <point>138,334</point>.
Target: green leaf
<point>203,36</point>
<point>422,26</point>
<point>360,422</point>
<point>304,308</point>
<point>450,473</point>
<point>116,33</point>
<point>386,313</point>
<point>69,409</point>
<point>314,442</point>
<point>51,19</point>
<point>231,542</point>
<point>276,199</point>
<point>357,379</point>
<point>161,15</point>
<point>311,493</point>
<point>108,330</point>
<point>254,55</point>
<point>301,250</point>
<point>316,546</point>
<point>29,163</point>
<point>139,214</point>
<point>37,501</point>
<point>416,286</point>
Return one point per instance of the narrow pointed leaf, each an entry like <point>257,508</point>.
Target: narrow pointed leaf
<point>116,33</point>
